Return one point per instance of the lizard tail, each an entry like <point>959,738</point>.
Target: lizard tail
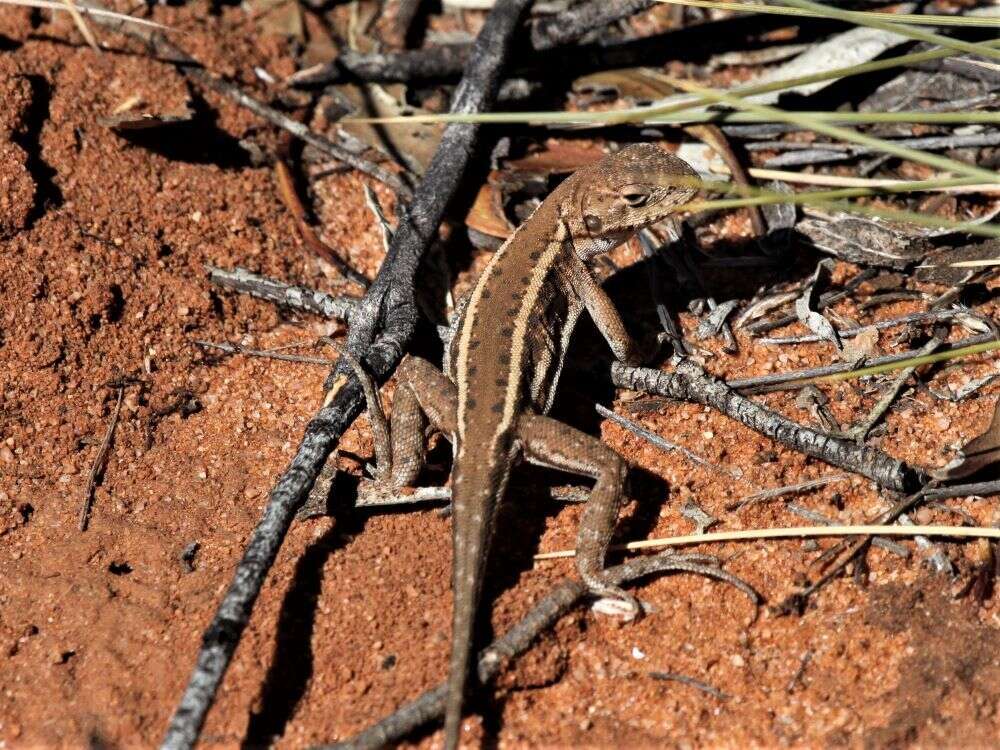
<point>472,519</point>
<point>458,672</point>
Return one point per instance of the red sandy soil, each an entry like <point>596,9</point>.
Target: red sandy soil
<point>102,248</point>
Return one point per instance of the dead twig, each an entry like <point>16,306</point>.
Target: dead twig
<point>982,489</point>
<point>229,348</point>
<point>663,443</point>
<point>430,706</point>
<point>290,197</point>
<point>165,49</point>
<point>382,324</point>
<point>834,560</point>
<point>879,541</point>
<point>826,299</point>
<point>288,295</point>
<point>791,489</point>
<point>574,22</point>
<point>685,680</point>
<point>878,325</point>
<point>860,431</point>
<point>690,383</point>
<point>97,470</point>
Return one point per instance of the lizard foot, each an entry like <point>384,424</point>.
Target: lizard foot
<point>614,601</point>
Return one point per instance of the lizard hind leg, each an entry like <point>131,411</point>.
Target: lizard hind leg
<point>547,442</point>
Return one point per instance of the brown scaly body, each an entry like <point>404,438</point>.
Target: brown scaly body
<point>504,365</point>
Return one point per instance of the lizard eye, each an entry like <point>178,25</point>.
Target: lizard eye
<point>593,223</point>
<point>636,199</point>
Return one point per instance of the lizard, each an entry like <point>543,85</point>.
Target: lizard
<point>501,369</point>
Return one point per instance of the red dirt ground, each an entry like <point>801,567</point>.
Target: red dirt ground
<point>102,248</point>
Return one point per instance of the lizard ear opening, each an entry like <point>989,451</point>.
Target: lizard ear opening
<point>593,223</point>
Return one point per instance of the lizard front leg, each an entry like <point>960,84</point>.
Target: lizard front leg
<point>546,442</point>
<point>606,317</point>
<point>423,394</point>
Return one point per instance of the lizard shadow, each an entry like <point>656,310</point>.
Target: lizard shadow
<point>291,665</point>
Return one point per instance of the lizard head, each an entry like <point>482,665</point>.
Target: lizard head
<point>624,192</point>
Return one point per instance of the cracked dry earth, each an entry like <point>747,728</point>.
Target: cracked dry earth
<point>102,246</point>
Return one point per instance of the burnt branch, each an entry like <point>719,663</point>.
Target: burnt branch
<point>381,327</point>
<point>445,62</point>
<point>690,383</point>
<point>579,20</point>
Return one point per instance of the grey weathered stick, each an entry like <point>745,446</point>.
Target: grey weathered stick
<point>983,489</point>
<point>690,383</point>
<point>878,541</point>
<point>289,295</point>
<point>860,431</point>
<point>826,299</point>
<point>381,327</point>
<point>685,680</point>
<point>446,61</point>
<point>564,596</point>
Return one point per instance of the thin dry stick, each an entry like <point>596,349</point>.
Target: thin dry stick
<point>791,489</point>
<point>193,70</point>
<point>878,541</point>
<point>85,30</point>
<point>861,430</point>
<point>685,680</point>
<point>918,317</point>
<point>662,443</point>
<point>264,353</point>
<point>290,197</point>
<point>97,470</point>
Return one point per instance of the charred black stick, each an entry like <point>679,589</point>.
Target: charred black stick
<point>445,62</point>
<point>288,295</point>
<point>381,327</point>
<point>573,23</point>
<point>690,383</point>
<point>564,596</point>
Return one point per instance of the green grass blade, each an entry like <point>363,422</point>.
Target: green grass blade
<point>926,359</point>
<point>834,131</point>
<point>911,18</point>
<point>902,29</point>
